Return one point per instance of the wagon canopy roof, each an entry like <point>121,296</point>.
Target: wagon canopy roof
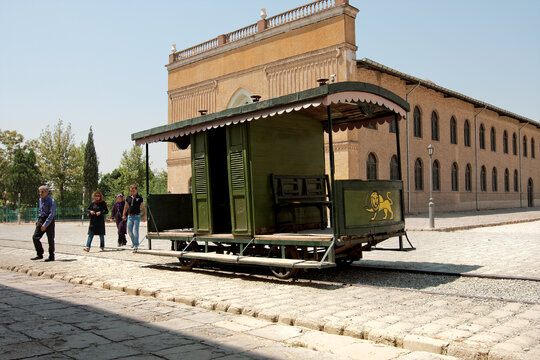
<point>354,104</point>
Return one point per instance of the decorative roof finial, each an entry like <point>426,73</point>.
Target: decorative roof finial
<point>263,13</point>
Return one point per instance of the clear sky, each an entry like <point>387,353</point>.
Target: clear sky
<point>101,63</point>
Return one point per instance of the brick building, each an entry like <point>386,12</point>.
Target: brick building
<point>485,157</point>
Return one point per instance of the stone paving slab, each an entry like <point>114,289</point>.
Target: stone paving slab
<point>446,325</point>
<point>255,339</point>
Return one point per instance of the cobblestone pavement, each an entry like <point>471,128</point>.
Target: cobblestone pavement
<point>459,326</point>
<point>49,319</point>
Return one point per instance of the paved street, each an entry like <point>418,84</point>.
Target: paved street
<point>47,319</point>
<point>410,318</point>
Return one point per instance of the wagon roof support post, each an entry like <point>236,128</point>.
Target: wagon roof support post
<point>147,173</point>
<point>332,170</point>
<point>398,147</point>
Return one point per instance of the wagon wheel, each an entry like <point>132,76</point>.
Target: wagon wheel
<point>290,253</point>
<point>344,262</point>
<point>187,264</point>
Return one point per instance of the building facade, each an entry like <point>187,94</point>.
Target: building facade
<point>484,157</point>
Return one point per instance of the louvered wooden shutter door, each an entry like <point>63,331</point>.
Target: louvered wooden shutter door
<point>202,216</point>
<point>237,157</point>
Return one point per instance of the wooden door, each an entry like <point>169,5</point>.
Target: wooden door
<point>239,183</point>
<point>202,205</point>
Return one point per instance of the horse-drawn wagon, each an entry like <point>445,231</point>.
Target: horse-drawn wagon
<point>259,193</point>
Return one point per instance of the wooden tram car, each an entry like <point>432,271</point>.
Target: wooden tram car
<point>259,193</point>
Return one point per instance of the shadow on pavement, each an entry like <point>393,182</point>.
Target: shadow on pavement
<point>330,278</point>
<point>38,325</point>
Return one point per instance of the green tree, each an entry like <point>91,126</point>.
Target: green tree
<point>158,185</point>
<point>10,140</point>
<point>109,186</point>
<point>133,170</point>
<point>90,170</point>
<point>59,159</point>
<point>24,177</point>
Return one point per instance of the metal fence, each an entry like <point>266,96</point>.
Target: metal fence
<point>29,214</point>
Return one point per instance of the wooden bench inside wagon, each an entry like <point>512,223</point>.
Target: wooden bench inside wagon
<point>259,193</point>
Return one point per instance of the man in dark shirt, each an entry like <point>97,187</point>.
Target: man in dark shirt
<point>132,212</point>
<point>45,223</point>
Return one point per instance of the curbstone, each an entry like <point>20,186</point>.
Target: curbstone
<point>128,290</point>
<point>222,306</point>
<point>185,300</point>
<point>165,296</point>
<point>48,275</point>
<point>268,314</point>
<point>355,331</point>
<point>334,328</point>
<point>208,305</point>
<point>148,292</point>
<point>37,272</point>
<point>422,343</point>
<point>382,336</point>
<point>249,311</point>
<point>468,350</point>
<point>235,309</point>
<point>310,323</point>
<point>77,281</point>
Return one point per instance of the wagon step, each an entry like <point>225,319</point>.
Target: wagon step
<point>235,259</point>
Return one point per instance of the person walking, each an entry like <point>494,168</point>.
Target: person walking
<point>132,212</point>
<point>96,211</point>
<point>45,223</point>
<point>117,215</point>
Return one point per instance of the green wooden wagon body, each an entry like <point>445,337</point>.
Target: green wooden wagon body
<point>237,153</point>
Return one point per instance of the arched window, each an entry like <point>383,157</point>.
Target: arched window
<point>468,182</point>
<point>434,126</point>
<point>453,130</point>
<point>483,182</point>
<point>505,142</point>
<point>394,168</point>
<point>506,180</point>
<point>533,155</point>
<point>467,133</point>
<point>418,175</point>
<point>455,184</point>
<point>436,176</point>
<point>482,138</point>
<point>371,167</point>
<point>514,144</point>
<point>494,181</point>
<point>524,146</point>
<point>417,122</point>
<point>493,140</point>
<point>516,185</point>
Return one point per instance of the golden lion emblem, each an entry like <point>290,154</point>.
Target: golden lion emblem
<point>378,204</point>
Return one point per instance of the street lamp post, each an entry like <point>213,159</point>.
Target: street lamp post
<point>82,206</point>
<point>431,203</point>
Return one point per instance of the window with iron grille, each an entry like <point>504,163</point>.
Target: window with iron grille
<point>418,175</point>
<point>494,181</point>
<point>468,182</point>
<point>371,167</point>
<point>434,126</point>
<point>467,133</point>
<point>455,184</point>
<point>453,130</point>
<point>417,122</point>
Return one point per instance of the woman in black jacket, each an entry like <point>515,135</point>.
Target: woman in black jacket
<point>96,211</point>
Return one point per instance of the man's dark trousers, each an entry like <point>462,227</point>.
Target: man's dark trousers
<point>38,234</point>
